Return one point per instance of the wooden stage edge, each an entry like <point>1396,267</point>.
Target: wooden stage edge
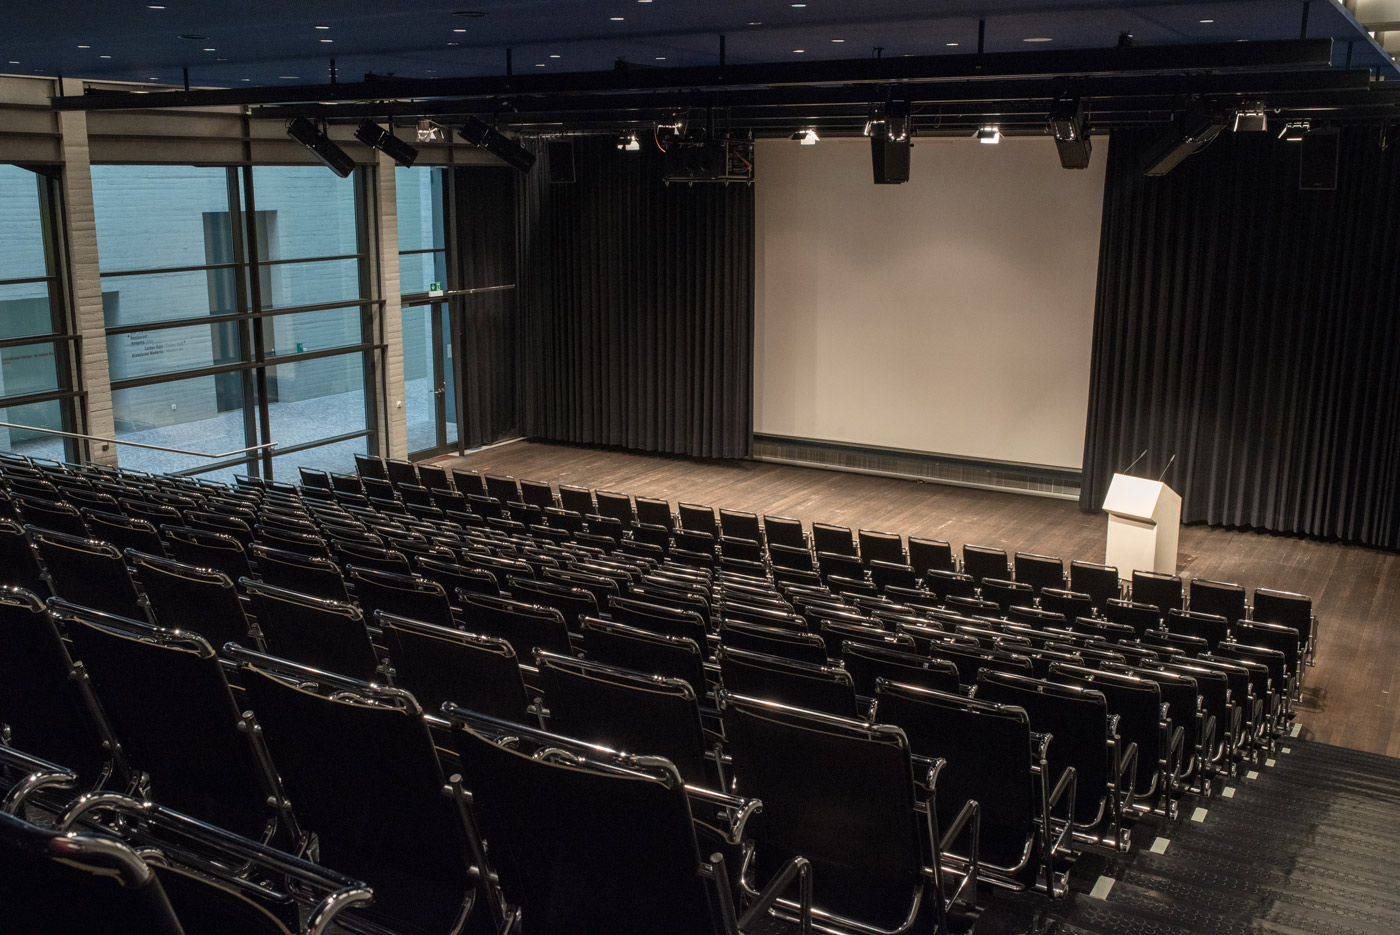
<point>1351,697</point>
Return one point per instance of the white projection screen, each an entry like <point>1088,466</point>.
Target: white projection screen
<point>952,314</point>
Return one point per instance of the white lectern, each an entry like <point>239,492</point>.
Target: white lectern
<point>1144,518</point>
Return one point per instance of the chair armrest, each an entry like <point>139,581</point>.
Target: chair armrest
<point>1127,761</point>
<point>795,868</point>
<point>737,808</point>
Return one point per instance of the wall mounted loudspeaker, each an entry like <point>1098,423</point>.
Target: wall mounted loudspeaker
<point>561,161</point>
<point>890,159</point>
<point>1317,164</point>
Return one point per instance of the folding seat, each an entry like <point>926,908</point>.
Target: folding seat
<point>1214,629</point>
<point>194,600</point>
<point>87,572</point>
<point>467,482</point>
<point>347,484</point>
<point>616,506</point>
<point>430,475</point>
<point>837,540</point>
<point>178,723</point>
<point>630,647</point>
<point>205,549</point>
<point>973,660</point>
<point>776,641</point>
<point>503,488</point>
<point>694,541</point>
<point>1287,609</point>
<point>537,493</point>
<point>868,662</point>
<point>376,805</point>
<point>47,707</point>
<point>311,477</point>
<point>453,576</point>
<point>1213,684</point>
<point>1035,617</point>
<point>1250,725</point>
<point>882,546</point>
<point>604,830</point>
<point>1006,594</point>
<point>1113,632</point>
<point>1042,659</point>
<point>1219,598</point>
<point>836,634</point>
<point>845,565</point>
<point>602,588</point>
<point>314,631</point>
<point>285,539</point>
<point>573,603</point>
<point>411,495</point>
<point>885,574</point>
<point>1100,582</point>
<point>19,564</point>
<point>774,615</point>
<point>1182,697</point>
<point>946,584</point>
<point>697,518</point>
<point>739,524</point>
<point>659,618</point>
<point>608,527</point>
<point>399,471</point>
<point>985,562</point>
<point>624,709</point>
<point>1141,617</point>
<point>1078,720</point>
<point>90,499</point>
<point>1286,640</point>
<point>1071,604</point>
<point>577,499</point>
<point>1039,571</point>
<point>972,606</point>
<point>691,558</point>
<point>364,555</point>
<point>876,858</point>
<point>52,515</point>
<point>1136,701</point>
<point>747,550</point>
<point>377,487</point>
<point>411,596</point>
<point>785,531</point>
<point>1167,643</point>
<point>440,664</point>
<point>784,556</point>
<point>525,626</point>
<point>294,571</point>
<point>788,682</point>
<point>1162,590</point>
<point>35,486</point>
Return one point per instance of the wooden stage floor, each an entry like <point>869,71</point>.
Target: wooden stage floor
<point>1352,695</point>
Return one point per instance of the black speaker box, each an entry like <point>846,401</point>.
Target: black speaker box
<point>889,159</point>
<point>561,161</point>
<point>1317,162</point>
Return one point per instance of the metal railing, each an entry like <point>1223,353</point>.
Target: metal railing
<point>118,441</point>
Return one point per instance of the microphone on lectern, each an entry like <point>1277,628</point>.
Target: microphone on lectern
<point>1135,461</point>
<point>1167,468</point>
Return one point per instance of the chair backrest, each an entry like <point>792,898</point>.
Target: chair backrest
<point>617,506</point>
<point>626,710</point>
<point>799,684</point>
<point>1284,608</point>
<point>468,482</point>
<point>1040,571</point>
<point>1214,629</point>
<point>124,532</point>
<point>196,600</point>
<point>867,663</point>
<point>171,707</point>
<point>440,664</point>
<point>836,633</point>
<point>370,466</point>
<point>988,749</point>
<point>50,515</point>
<point>19,565</point>
<point>1273,636</point>
<point>574,603</point>
<point>90,883</point>
<point>577,499</point>
<point>1138,703</point>
<point>860,833</point>
<point>376,805</point>
<point>503,488</point>
<point>578,835</point>
<point>659,618</point>
<point>882,547</point>
<point>1077,717</point>
<point>430,476</point>
<point>784,530</point>
<point>982,561</point>
<point>296,571</point>
<point>87,572</point>
<point>886,574</point>
<point>412,596</point>
<point>1141,617</point>
<point>1071,604</point>
<point>778,641</point>
<point>738,524</point>
<point>1220,598</point>
<point>1007,593</point>
<point>696,517</point>
<point>835,539</point>
<point>1100,582</point>
<point>525,626</point>
<point>646,651</point>
<point>946,584</point>
<point>206,549</point>
<point>313,631</point>
<point>400,471</point>
<point>537,493</point>
<point>926,554</point>
<point>47,707</point>
<point>1163,590</point>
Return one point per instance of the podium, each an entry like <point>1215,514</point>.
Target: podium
<point>1144,518</point>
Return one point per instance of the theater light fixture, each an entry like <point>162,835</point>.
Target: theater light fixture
<point>428,131</point>
<point>334,158</point>
<point>376,137</point>
<point>478,133</point>
<point>1183,136</point>
<point>1294,130</point>
<point>988,134</point>
<point>1069,124</point>
<point>806,137</point>
<point>629,143</point>
<point>1251,119</point>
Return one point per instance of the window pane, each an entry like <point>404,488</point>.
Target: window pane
<point>419,403</point>
<point>419,200</point>
<point>315,399</point>
<point>161,217</point>
<point>303,211</point>
<point>47,415</point>
<point>296,284</point>
<point>197,414</point>
<point>145,353</point>
<point>337,456</point>
<point>24,306</point>
<point>134,300</point>
<point>22,247</point>
<point>417,271</point>
<point>305,332</point>
<point>31,368</point>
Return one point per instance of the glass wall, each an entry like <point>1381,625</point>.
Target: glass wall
<point>237,311</point>
<point>36,374</point>
<point>430,396</point>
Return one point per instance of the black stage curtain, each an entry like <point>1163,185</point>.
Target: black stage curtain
<point>1253,329</point>
<point>485,224</point>
<point>636,305</point>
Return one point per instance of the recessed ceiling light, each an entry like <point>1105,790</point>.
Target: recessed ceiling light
<point>798,6</point>
<point>838,40</point>
<point>196,37</point>
<point>454,43</point>
<point>659,58</point>
<point>154,6</point>
<point>1037,39</point>
<point>104,56</point>
<point>950,43</point>
<point>554,56</point>
<point>539,64</point>
<point>240,79</point>
<point>321,27</point>
<point>1207,20</point>
<point>210,49</point>
<point>432,71</point>
<point>798,51</point>
<point>755,23</point>
<point>616,19</point>
<point>327,40</point>
<point>84,46</point>
<point>288,77</point>
<point>459,30</point>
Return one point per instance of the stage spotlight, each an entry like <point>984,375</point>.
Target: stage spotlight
<point>1069,124</point>
<point>376,137</point>
<point>476,132</point>
<point>335,158</point>
<point>988,134</point>
<point>806,137</point>
<point>1186,134</point>
<point>1251,119</point>
<point>1294,130</point>
<point>629,143</point>
<point>428,131</point>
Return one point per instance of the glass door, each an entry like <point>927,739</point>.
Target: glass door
<point>430,402</point>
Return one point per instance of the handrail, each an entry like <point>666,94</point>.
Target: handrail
<point>118,441</point>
